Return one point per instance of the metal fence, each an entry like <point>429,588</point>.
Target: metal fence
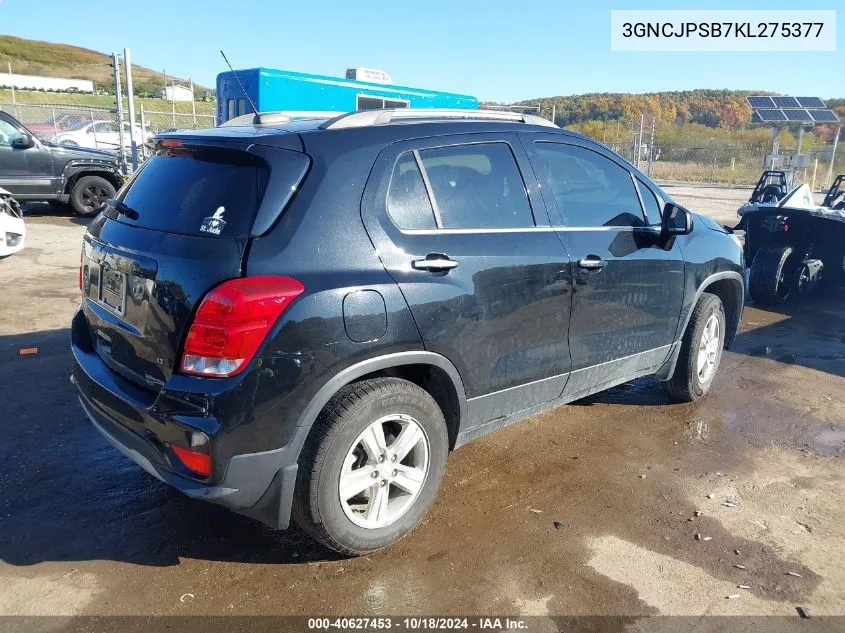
<point>99,128</point>
<point>721,161</point>
<point>725,164</point>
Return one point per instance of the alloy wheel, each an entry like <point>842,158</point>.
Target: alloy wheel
<point>708,349</point>
<point>384,471</point>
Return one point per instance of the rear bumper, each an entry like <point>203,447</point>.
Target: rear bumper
<point>259,485</point>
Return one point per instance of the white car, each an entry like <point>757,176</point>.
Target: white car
<point>102,135</point>
<point>12,228</point>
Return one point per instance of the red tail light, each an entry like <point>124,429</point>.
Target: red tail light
<point>200,463</point>
<point>232,322</point>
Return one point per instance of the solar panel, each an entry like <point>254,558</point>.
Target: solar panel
<point>786,102</point>
<point>810,102</point>
<point>761,102</point>
<point>798,115</point>
<point>824,116</point>
<point>767,114</point>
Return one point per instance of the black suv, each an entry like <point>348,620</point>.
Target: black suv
<point>303,318</point>
<point>34,170</point>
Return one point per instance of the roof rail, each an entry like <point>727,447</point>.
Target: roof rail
<point>383,117</point>
<point>258,120</point>
<point>279,117</point>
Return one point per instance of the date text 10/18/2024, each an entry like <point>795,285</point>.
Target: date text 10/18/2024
<point>418,624</point>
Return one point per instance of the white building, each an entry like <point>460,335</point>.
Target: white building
<point>176,93</point>
<point>32,82</point>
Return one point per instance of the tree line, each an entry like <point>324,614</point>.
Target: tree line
<point>711,112</point>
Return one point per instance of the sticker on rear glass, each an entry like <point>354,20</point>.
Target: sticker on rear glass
<point>214,223</point>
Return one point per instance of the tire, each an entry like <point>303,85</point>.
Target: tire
<point>767,283</point>
<point>88,195</point>
<point>688,383</point>
<point>336,449</point>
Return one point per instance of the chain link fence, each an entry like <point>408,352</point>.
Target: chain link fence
<point>723,162</point>
<point>100,128</point>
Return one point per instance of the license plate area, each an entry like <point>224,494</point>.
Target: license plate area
<point>113,290</point>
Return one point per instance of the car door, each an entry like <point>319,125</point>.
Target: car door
<point>459,224</point>
<point>27,172</point>
<point>628,281</point>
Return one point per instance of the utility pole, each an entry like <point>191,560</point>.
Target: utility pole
<point>651,145</point>
<point>193,102</point>
<point>11,83</point>
<point>829,178</point>
<point>130,96</point>
<point>554,109</point>
<point>640,140</point>
<point>118,99</point>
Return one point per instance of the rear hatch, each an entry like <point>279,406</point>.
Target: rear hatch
<point>180,227</point>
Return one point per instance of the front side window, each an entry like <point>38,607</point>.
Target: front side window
<point>650,202</point>
<point>9,133</point>
<point>589,189</point>
<point>101,128</point>
<point>477,186</point>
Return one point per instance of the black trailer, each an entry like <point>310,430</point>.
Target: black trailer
<point>795,246</point>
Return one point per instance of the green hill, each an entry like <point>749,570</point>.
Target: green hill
<point>46,59</point>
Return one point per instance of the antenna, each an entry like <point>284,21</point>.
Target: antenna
<point>257,118</point>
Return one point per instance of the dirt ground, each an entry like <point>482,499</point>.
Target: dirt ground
<point>621,504</point>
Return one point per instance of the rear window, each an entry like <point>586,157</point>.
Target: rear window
<point>206,192</point>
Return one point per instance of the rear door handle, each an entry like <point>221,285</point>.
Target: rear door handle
<point>435,262</point>
<point>592,262</point>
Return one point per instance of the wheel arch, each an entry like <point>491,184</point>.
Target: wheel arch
<point>73,172</point>
<point>432,372</point>
<point>729,286</point>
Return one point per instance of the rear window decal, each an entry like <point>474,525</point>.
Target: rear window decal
<point>214,224</point>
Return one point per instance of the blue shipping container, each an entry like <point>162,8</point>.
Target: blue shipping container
<point>274,90</point>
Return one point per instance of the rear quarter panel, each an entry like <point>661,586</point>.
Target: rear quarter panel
<point>320,240</point>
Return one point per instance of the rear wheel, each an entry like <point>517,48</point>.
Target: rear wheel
<point>701,351</point>
<point>774,273</point>
<point>373,467</point>
<point>89,194</point>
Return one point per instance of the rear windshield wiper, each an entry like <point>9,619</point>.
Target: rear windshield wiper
<point>122,209</point>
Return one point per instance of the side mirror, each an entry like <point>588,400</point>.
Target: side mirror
<point>25,141</point>
<point>676,220</point>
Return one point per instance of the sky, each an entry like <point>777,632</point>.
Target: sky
<point>499,51</point>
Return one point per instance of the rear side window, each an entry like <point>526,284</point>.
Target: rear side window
<point>206,192</point>
<point>589,189</point>
<point>407,199</point>
<point>477,186</point>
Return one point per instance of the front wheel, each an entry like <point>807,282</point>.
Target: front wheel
<point>89,194</point>
<point>701,351</point>
<point>373,467</point>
